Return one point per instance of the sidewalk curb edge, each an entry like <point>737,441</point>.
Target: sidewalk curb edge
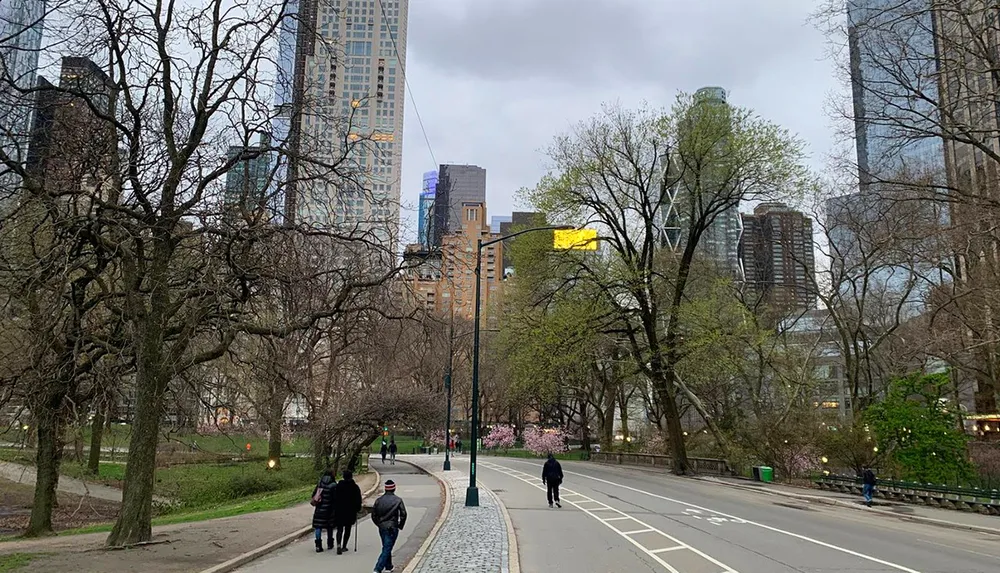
<point>839,503</point>
<point>445,510</point>
<point>513,558</point>
<point>249,556</point>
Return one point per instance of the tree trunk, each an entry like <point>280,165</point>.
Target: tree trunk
<point>48,428</point>
<point>608,426</point>
<point>623,413</point>
<point>96,438</point>
<point>320,449</point>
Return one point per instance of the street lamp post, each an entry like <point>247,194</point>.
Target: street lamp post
<point>447,388</point>
<point>472,493</point>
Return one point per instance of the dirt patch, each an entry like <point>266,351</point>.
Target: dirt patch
<point>73,511</point>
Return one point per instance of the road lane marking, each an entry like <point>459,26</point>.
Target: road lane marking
<point>896,566</point>
<point>665,549</point>
<point>531,480</point>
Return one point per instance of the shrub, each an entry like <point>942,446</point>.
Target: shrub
<point>500,436</point>
<point>542,442</point>
<point>252,484</point>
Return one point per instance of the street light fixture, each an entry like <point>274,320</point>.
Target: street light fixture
<point>472,493</point>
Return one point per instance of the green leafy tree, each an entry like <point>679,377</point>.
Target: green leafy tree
<point>916,430</point>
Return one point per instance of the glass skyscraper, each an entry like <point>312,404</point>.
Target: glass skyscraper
<point>425,214</point>
<point>20,43</point>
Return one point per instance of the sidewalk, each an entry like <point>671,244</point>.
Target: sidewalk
<point>26,475</point>
<point>468,538</point>
<point>920,513</point>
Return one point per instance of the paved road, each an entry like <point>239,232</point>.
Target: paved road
<point>625,519</point>
<point>18,473</point>
<point>422,495</point>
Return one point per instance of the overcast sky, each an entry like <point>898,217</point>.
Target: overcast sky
<point>495,80</point>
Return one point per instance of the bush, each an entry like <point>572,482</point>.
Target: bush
<point>540,441</point>
<point>252,484</point>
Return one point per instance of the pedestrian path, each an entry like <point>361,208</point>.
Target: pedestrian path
<point>470,538</point>
<point>18,473</point>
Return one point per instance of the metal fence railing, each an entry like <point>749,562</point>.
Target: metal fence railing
<point>953,497</point>
<point>698,465</point>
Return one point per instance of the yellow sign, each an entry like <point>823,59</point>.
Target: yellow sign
<point>575,240</point>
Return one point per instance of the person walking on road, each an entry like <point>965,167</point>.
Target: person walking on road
<point>389,515</point>
<point>345,509</point>
<point>868,481</point>
<point>458,446</point>
<point>392,451</point>
<point>383,450</point>
<point>323,513</point>
<point>552,476</point>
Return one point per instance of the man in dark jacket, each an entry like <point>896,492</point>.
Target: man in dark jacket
<point>389,515</point>
<point>393,448</point>
<point>868,484</point>
<point>323,513</point>
<point>345,509</point>
<point>552,477</point>
<point>383,450</point>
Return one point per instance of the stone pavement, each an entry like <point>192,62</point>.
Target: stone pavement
<point>470,538</point>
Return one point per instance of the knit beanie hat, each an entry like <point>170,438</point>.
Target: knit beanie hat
<point>390,485</point>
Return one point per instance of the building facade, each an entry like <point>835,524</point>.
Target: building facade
<point>425,208</point>
<point>72,152</point>
<point>341,95</point>
<point>248,181</point>
<point>21,23</point>
<point>456,185</point>
<point>443,281</point>
<point>778,258</point>
<point>720,243</point>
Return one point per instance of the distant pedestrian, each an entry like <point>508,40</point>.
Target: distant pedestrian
<point>323,502</point>
<point>868,481</point>
<point>389,515</point>
<point>392,451</point>
<point>552,476</point>
<point>383,450</point>
<point>345,509</point>
<point>458,446</point>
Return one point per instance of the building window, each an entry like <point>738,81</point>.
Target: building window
<point>470,214</point>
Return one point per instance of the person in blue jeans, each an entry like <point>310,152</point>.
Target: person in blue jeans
<point>389,515</point>
<point>324,504</point>
<point>868,482</point>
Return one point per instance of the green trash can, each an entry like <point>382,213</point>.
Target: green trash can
<point>766,474</point>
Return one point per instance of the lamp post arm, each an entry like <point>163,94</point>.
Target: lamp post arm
<point>523,231</point>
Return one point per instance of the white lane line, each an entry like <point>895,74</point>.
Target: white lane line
<point>665,549</point>
<point>896,566</point>
<point>638,531</point>
<point>619,518</point>
<point>531,480</point>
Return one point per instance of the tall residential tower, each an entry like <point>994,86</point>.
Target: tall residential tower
<point>341,89</point>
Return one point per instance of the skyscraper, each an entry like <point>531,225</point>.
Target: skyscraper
<point>777,254</point>
<point>720,242</point>
<point>425,213</point>
<point>248,181</point>
<point>341,88</point>
<point>895,131</point>
<point>20,43</point>
<point>457,184</point>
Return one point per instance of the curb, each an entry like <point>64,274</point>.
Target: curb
<point>241,560</point>
<point>445,511</point>
<point>849,505</point>
<point>513,559</point>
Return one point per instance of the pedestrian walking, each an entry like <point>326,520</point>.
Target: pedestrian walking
<point>552,476</point>
<point>458,446</point>
<point>389,515</point>
<point>345,509</point>
<point>392,451</point>
<point>383,450</point>
<point>323,509</point>
<point>868,481</point>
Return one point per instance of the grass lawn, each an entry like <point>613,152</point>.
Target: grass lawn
<point>15,561</point>
<point>406,444</point>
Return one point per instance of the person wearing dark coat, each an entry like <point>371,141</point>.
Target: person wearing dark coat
<point>383,450</point>
<point>868,486</point>
<point>324,499</point>
<point>346,508</point>
<point>389,515</point>
<point>552,476</point>
<point>393,448</point>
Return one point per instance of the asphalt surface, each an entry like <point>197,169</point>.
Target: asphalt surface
<point>626,519</point>
<point>422,495</point>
